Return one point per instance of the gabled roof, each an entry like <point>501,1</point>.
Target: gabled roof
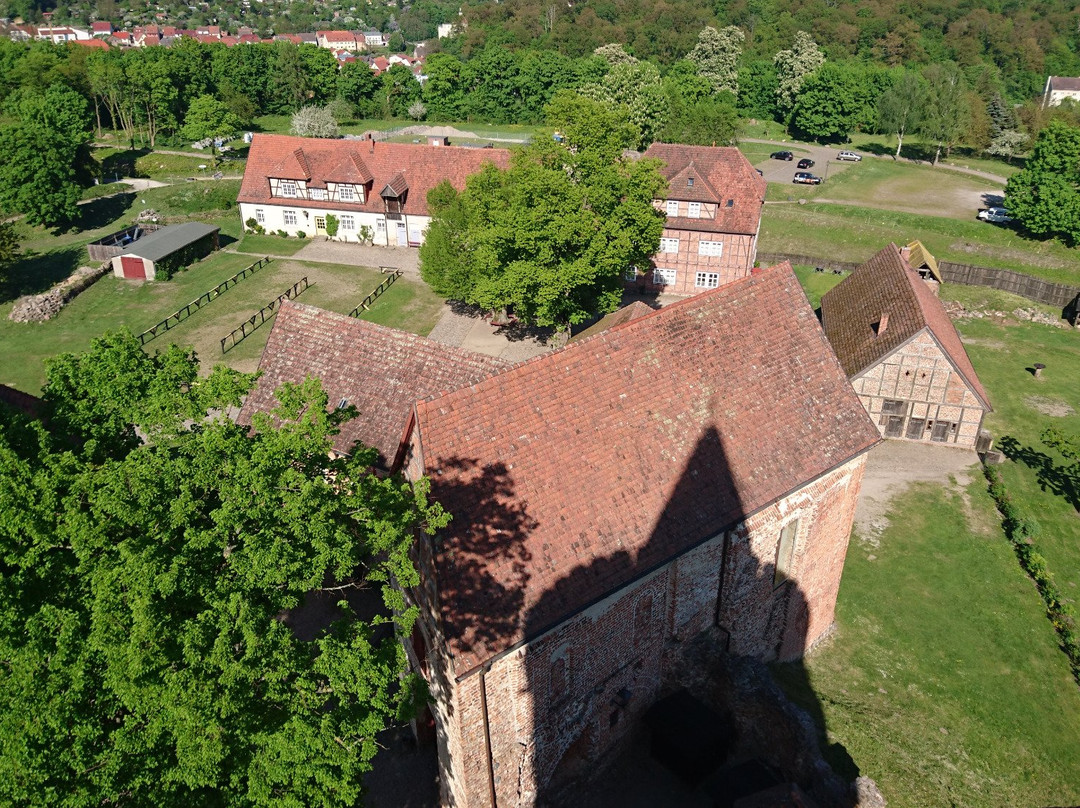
<point>336,36</point>
<point>623,315</point>
<point>421,167</point>
<point>380,371</point>
<point>573,474</point>
<point>350,169</point>
<point>886,285</point>
<point>918,257</point>
<point>723,176</point>
<point>1064,84</point>
<point>396,186</point>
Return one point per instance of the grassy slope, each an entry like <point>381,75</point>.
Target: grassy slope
<point>944,682</point>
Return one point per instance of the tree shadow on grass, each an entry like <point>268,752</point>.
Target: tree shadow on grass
<point>1058,480</point>
<point>122,164</point>
<point>36,272</point>
<point>105,211</point>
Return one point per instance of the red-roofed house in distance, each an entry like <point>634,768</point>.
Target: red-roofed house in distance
<point>690,469</point>
<point>337,40</point>
<point>713,207</point>
<point>902,353</point>
<point>293,184</point>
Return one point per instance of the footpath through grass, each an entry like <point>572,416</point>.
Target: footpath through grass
<point>944,682</point>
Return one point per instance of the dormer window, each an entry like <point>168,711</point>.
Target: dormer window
<point>672,207</point>
<point>345,193</point>
<point>318,193</point>
<point>694,210</point>
<point>287,188</point>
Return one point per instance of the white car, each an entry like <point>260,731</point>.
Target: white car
<point>849,155</point>
<point>995,215</point>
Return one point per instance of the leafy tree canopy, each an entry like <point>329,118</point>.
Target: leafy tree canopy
<point>155,563</point>
<point>1045,196</point>
<point>210,119</point>
<point>551,237</point>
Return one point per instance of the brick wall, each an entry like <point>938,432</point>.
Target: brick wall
<point>557,704</point>
<point>735,261</point>
<point>933,393</point>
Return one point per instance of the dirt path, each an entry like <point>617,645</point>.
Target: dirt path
<point>893,465</point>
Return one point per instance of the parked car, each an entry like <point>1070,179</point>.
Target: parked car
<point>849,155</point>
<point>782,155</point>
<point>995,215</point>
<point>806,162</point>
<point>806,178</point>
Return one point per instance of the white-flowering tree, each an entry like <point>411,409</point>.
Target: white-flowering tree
<point>417,110</point>
<point>792,68</point>
<point>637,86</point>
<point>615,54</point>
<point>716,57</point>
<point>314,121</point>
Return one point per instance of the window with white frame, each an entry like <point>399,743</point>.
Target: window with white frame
<point>631,273</point>
<point>286,188</point>
<point>710,248</point>
<point>288,216</point>
<point>693,210</point>
<point>669,245</point>
<point>672,207</point>
<point>345,193</point>
<point>380,224</point>
<point>260,216</point>
<point>318,193</point>
<point>707,280</point>
<point>663,277</point>
<point>348,222</point>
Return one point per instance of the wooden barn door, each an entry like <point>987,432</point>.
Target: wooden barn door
<point>133,268</point>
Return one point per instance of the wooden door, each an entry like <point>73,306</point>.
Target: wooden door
<point>402,235</point>
<point>940,431</point>
<point>915,428</point>
<point>133,268</point>
<point>894,426</point>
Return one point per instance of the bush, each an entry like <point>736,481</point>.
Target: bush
<point>301,234</point>
<point>282,233</point>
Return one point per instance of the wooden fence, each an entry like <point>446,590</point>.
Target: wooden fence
<point>365,304</point>
<point>1052,294</point>
<point>183,313</point>
<point>241,333</point>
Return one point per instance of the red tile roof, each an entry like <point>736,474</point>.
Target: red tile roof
<point>421,166</point>
<point>380,371</point>
<point>887,285</point>
<point>576,472</point>
<point>336,36</point>
<point>722,175</point>
<point>624,315</point>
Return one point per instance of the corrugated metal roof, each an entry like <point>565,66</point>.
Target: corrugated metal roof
<point>169,239</point>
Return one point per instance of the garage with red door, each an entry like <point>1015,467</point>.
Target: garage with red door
<point>160,254</point>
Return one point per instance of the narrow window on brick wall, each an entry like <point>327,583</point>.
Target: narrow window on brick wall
<point>707,280</point>
<point>664,277</point>
<point>672,207</point>
<point>694,210</point>
<point>345,193</point>
<point>643,620</point>
<point>710,248</point>
<point>288,216</point>
<point>669,245</point>
<point>559,681</point>
<point>785,552</point>
<point>260,216</point>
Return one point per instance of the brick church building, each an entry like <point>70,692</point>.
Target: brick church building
<point>691,468</point>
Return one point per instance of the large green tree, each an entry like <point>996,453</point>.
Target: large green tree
<point>947,113</point>
<point>900,108</point>
<point>1045,196</point>
<point>209,119</point>
<point>792,67</point>
<point>46,156</point>
<point>716,57</point>
<point>155,565</point>
<point>551,237</point>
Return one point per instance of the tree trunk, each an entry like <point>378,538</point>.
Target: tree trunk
<point>899,143</point>
<point>937,154</point>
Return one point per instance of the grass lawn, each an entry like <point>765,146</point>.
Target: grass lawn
<point>118,162</point>
<point>816,284</point>
<point>1023,407</point>
<point>269,245</point>
<point>850,233</point>
<point>944,682</point>
<point>113,303</point>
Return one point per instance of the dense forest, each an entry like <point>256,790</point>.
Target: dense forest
<point>1018,43</point>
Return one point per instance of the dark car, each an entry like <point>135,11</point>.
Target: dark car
<point>806,178</point>
<point>806,162</point>
<point>781,155</point>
